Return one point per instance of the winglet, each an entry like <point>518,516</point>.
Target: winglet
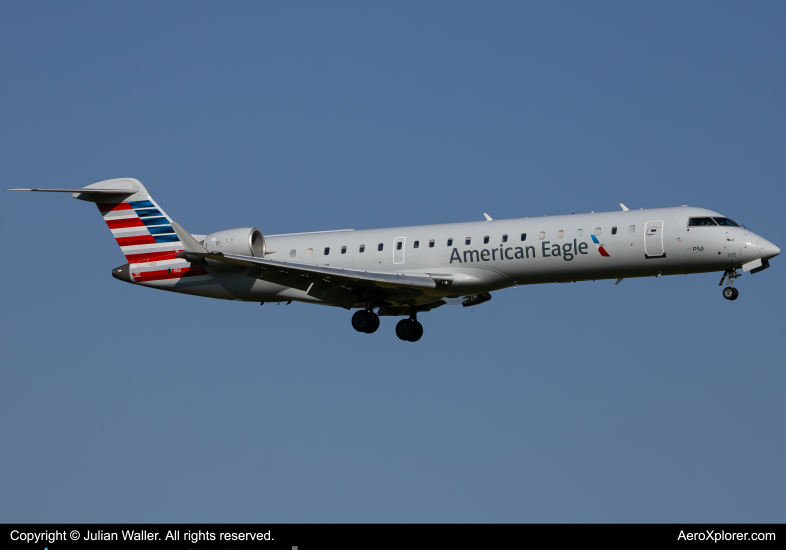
<point>488,218</point>
<point>190,245</point>
<point>624,208</point>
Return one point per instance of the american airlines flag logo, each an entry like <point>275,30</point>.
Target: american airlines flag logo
<point>599,247</point>
<point>146,237</point>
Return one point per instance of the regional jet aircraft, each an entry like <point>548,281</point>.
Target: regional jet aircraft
<point>403,271</point>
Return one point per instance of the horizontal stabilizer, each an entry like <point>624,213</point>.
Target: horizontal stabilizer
<point>84,190</point>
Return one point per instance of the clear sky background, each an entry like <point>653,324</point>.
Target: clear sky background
<point>656,400</point>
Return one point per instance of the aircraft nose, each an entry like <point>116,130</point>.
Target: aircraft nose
<point>767,249</point>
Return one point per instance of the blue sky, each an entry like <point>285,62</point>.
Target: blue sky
<point>655,401</point>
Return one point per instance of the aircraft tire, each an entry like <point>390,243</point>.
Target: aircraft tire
<point>374,324</point>
<point>418,332</point>
<point>406,329</point>
<point>730,293</point>
<point>362,320</point>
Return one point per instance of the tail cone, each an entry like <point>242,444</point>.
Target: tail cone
<point>122,273</point>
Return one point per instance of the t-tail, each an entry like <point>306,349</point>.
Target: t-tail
<point>142,230</point>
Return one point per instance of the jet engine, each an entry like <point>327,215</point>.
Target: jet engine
<point>246,241</point>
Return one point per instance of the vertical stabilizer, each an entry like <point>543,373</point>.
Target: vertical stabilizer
<point>141,228</point>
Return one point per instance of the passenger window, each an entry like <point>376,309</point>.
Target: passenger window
<point>632,229</point>
<point>597,231</point>
<point>292,253</point>
<point>486,239</point>
<point>380,247</point>
<point>399,244</point>
<point>417,244</point>
<point>327,250</point>
<point>431,243</point>
<point>542,235</point>
<point>523,236</point>
<point>560,234</point>
<point>579,232</point>
<point>309,252</point>
<point>450,242</point>
<point>614,230</point>
<point>468,240</point>
<point>504,238</point>
<point>701,222</point>
<point>362,248</point>
<point>343,249</point>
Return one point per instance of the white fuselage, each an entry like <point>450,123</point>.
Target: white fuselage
<point>489,255</point>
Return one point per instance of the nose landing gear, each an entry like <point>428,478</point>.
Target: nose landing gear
<point>730,293</point>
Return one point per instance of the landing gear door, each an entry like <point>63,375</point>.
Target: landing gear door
<point>398,250</point>
<point>653,239</point>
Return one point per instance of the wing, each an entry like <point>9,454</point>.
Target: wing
<point>334,285</point>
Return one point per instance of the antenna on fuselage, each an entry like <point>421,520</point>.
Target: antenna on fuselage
<point>624,208</point>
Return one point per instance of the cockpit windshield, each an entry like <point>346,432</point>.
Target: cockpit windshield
<point>698,222</point>
<point>726,221</point>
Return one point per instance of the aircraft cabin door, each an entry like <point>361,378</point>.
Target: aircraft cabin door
<point>653,239</point>
<point>398,250</point>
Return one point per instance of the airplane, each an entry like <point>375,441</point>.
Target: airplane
<point>403,271</point>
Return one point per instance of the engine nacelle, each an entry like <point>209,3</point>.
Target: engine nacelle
<point>246,241</point>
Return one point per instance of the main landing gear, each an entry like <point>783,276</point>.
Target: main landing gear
<point>409,330</point>
<point>730,293</point>
<point>365,321</point>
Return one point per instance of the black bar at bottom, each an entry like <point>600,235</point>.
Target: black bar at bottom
<point>346,536</point>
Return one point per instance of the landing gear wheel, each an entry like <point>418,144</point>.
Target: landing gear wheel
<point>730,293</point>
<point>418,332</point>
<point>409,330</point>
<point>374,324</point>
<point>363,321</point>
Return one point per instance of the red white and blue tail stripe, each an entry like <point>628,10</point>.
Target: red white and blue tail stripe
<point>143,232</point>
<point>145,235</point>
